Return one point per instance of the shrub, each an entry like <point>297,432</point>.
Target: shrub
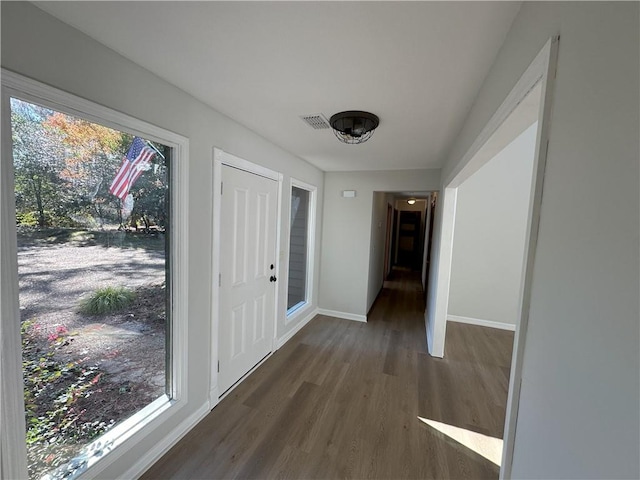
<point>106,300</point>
<point>27,219</point>
<point>55,398</point>
<point>52,219</point>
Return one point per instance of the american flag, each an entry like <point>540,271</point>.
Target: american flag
<point>136,161</point>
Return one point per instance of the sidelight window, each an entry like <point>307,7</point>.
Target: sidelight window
<point>300,246</point>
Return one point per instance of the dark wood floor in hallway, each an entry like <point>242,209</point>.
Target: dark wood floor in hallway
<point>344,399</point>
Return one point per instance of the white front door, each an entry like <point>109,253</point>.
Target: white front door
<point>247,272</point>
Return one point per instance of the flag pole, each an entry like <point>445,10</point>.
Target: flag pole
<point>155,149</point>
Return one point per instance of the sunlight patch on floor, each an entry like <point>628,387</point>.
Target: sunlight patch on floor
<point>488,447</point>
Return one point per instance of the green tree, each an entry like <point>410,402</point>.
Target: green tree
<point>37,157</point>
<point>64,166</point>
<point>92,158</point>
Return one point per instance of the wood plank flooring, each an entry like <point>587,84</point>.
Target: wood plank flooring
<point>342,400</point>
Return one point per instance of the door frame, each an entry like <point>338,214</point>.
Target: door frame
<point>428,236</point>
<point>387,243</point>
<point>220,158</point>
<point>541,71</point>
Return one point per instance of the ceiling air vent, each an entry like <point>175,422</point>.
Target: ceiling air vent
<point>316,121</point>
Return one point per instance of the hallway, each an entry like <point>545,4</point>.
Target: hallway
<point>344,399</point>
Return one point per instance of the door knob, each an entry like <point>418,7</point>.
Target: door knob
<point>272,278</point>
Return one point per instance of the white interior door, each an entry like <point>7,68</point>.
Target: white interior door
<point>247,272</point>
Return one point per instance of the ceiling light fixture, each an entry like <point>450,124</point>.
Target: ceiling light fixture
<point>411,201</point>
<point>354,127</point>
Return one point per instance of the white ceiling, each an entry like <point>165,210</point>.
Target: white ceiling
<point>417,65</point>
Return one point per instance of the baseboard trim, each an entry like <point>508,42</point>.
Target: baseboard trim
<point>481,322</point>
<point>163,446</point>
<point>289,335</point>
<point>214,397</point>
<point>346,316</point>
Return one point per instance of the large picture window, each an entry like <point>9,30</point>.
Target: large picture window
<point>300,243</point>
<point>94,248</point>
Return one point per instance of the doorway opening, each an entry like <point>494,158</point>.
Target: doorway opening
<point>401,237</point>
<point>528,103</point>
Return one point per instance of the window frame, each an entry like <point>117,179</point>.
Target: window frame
<point>298,309</point>
<point>120,439</point>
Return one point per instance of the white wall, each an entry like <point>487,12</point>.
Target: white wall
<point>578,413</point>
<point>38,46</point>
<point>347,284</point>
<point>489,235</point>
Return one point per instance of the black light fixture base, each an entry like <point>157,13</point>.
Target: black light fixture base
<point>353,126</point>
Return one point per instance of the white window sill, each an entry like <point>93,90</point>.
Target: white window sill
<point>93,458</point>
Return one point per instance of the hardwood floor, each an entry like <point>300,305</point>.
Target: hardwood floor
<point>342,399</point>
